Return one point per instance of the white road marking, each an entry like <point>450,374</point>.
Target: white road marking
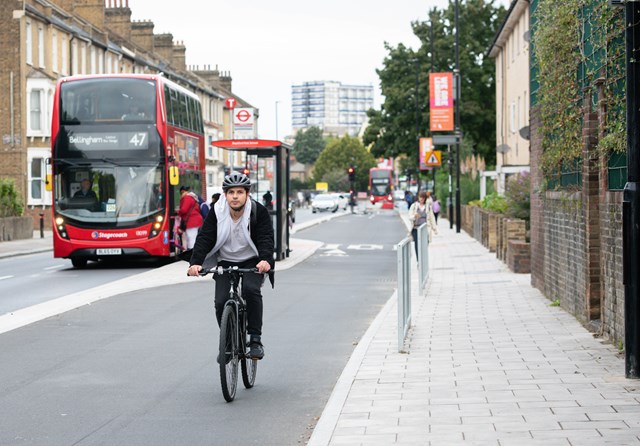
<point>365,247</point>
<point>54,267</point>
<point>6,277</point>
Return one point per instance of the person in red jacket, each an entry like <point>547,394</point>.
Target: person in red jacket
<point>189,213</point>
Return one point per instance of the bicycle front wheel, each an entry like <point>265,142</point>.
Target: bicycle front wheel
<point>228,357</point>
<point>249,370</point>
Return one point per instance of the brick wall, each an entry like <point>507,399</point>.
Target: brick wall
<point>565,258</point>
<point>611,265</point>
<point>519,256</point>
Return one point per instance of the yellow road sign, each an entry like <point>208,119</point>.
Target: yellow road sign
<point>434,158</point>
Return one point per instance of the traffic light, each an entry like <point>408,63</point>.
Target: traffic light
<point>352,173</point>
<point>245,171</point>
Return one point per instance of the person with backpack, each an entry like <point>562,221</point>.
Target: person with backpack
<point>237,232</point>
<point>190,216</point>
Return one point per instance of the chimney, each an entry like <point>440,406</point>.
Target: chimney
<point>179,57</point>
<point>117,17</point>
<point>90,10</point>
<point>163,44</point>
<point>213,77</point>
<point>142,34</point>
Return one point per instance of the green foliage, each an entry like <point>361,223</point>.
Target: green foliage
<point>578,50</point>
<point>308,145</point>
<point>518,196</point>
<point>392,129</point>
<point>297,184</point>
<point>555,303</point>
<point>494,203</point>
<point>332,164</point>
<point>10,202</point>
<point>557,58</point>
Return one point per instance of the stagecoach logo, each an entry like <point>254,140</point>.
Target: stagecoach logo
<point>108,235</point>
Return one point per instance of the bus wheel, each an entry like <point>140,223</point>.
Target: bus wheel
<point>79,262</point>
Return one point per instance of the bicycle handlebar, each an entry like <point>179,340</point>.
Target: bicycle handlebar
<point>219,270</point>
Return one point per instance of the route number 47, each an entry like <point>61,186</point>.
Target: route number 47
<point>138,139</point>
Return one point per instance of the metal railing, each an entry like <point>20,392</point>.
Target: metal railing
<point>423,255</point>
<point>404,290</point>
<point>404,279</point>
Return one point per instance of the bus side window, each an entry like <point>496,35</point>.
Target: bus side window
<point>168,104</point>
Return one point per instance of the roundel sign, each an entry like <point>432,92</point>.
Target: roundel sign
<point>230,103</point>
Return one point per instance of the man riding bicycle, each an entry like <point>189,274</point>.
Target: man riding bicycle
<point>237,232</point>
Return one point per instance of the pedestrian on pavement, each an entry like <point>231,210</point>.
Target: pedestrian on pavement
<point>408,197</point>
<point>238,232</point>
<point>419,213</point>
<point>190,217</point>
<point>436,208</point>
<point>267,200</point>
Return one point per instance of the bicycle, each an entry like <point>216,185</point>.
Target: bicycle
<point>233,335</point>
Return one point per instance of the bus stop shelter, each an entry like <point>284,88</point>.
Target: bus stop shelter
<point>267,164</point>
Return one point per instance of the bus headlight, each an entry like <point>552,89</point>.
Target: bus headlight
<point>156,226</point>
<point>62,228</point>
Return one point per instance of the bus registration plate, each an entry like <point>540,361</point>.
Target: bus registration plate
<point>108,251</point>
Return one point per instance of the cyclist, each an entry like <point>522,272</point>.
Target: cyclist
<point>237,232</point>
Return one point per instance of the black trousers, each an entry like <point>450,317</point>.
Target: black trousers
<point>251,284</point>
<point>414,234</point>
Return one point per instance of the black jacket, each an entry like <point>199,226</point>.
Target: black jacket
<point>260,228</point>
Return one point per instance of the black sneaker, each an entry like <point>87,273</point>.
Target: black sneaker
<point>256,350</point>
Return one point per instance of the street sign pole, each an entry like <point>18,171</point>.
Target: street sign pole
<point>631,200</point>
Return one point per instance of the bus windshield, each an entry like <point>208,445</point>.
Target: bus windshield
<point>113,195</point>
<point>93,101</point>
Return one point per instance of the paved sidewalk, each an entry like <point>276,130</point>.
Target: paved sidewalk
<point>489,362</point>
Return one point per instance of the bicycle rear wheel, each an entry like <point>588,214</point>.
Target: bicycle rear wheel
<point>229,353</point>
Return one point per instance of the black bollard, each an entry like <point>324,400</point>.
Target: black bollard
<point>41,225</point>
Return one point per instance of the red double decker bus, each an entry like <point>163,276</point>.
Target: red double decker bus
<point>381,185</point>
<point>122,145</point>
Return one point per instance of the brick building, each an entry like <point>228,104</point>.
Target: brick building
<point>44,40</point>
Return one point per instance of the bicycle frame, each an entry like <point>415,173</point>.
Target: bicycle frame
<point>239,308</point>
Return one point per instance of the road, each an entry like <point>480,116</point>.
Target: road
<point>32,279</point>
<point>139,368</point>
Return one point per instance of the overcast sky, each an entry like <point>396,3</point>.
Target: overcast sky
<point>267,46</point>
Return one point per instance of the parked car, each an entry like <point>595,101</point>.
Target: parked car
<point>324,202</point>
<point>342,199</point>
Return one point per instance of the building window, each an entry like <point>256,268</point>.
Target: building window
<point>84,58</point>
<point>65,55</point>
<point>54,51</point>
<point>38,195</point>
<point>29,43</point>
<point>35,110</point>
<point>40,47</point>
<point>93,60</point>
<point>74,57</point>
<point>513,117</point>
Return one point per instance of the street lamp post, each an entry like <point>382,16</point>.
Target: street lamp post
<point>457,115</point>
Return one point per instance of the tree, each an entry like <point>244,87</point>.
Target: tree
<point>308,145</point>
<point>392,129</point>
<point>334,161</point>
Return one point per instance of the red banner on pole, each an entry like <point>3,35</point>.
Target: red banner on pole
<point>441,102</point>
